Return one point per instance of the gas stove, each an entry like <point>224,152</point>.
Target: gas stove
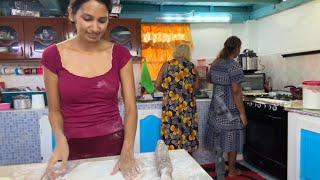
<point>277,102</point>
<point>278,98</point>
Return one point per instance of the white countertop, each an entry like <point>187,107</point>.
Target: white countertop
<point>184,167</point>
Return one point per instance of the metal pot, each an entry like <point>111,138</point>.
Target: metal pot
<point>295,91</point>
<point>21,102</point>
<point>248,60</point>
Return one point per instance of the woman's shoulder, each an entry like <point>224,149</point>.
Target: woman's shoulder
<point>118,47</point>
<point>51,51</point>
<point>63,44</point>
<point>234,64</point>
<point>229,63</point>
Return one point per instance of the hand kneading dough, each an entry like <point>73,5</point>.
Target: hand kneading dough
<point>98,170</point>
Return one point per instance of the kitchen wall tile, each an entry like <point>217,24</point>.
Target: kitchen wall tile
<point>32,81</point>
<point>19,137</point>
<point>290,71</point>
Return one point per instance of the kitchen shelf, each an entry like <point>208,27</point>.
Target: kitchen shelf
<point>301,53</point>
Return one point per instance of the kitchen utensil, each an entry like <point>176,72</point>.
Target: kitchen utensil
<point>311,94</point>
<point>163,161</point>
<point>249,61</point>
<point>295,91</point>
<point>21,102</point>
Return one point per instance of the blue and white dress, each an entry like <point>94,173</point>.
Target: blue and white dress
<point>224,127</point>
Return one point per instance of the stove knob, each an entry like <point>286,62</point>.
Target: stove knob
<point>259,105</point>
<point>250,104</point>
<point>274,108</point>
<point>265,106</point>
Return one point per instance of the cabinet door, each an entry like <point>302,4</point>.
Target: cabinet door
<point>11,39</point>
<point>69,29</point>
<point>41,33</point>
<point>309,157</point>
<point>126,32</point>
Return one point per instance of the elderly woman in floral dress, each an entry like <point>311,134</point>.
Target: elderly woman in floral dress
<point>178,81</point>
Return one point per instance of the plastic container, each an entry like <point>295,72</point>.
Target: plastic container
<point>311,94</point>
<point>4,106</point>
<point>37,101</point>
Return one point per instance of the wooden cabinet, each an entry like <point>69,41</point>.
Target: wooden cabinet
<point>11,39</point>
<point>26,38</point>
<point>23,38</point>
<point>126,32</point>
<point>41,33</point>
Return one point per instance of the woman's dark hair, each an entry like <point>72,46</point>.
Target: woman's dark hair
<point>75,5</point>
<point>232,43</point>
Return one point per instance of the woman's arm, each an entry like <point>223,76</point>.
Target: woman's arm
<point>196,84</point>
<point>238,100</point>
<point>129,97</point>
<point>55,117</point>
<point>61,152</point>
<point>127,164</point>
<point>159,80</point>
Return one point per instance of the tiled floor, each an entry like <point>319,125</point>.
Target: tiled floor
<point>204,157</point>
<point>264,174</point>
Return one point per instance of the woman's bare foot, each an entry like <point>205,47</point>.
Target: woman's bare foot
<point>234,172</point>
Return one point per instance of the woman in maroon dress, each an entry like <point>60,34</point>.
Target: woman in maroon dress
<point>82,78</point>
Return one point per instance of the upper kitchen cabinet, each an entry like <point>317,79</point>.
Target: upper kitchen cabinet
<point>26,37</point>
<point>126,32</point>
<point>11,39</point>
<point>41,33</point>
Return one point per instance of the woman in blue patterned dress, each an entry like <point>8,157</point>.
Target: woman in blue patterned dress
<point>177,79</point>
<point>227,118</point>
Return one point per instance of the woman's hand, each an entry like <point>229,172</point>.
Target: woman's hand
<point>244,120</point>
<point>61,152</point>
<point>127,165</point>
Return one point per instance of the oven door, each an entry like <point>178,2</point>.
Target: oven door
<point>266,140</point>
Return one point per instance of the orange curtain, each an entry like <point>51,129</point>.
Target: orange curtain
<point>159,41</point>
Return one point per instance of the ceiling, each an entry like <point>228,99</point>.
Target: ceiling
<point>238,11</point>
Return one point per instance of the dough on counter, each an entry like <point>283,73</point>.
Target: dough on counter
<point>97,170</point>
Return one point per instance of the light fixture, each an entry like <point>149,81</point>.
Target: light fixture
<point>196,18</point>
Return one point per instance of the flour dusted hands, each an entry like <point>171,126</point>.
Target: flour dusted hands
<point>61,152</point>
<point>128,166</point>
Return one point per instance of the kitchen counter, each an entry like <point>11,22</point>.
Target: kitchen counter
<point>290,106</point>
<point>184,167</point>
<point>308,112</point>
<point>28,139</point>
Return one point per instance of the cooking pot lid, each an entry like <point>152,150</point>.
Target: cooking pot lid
<point>311,83</point>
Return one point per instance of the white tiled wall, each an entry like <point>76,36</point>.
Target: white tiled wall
<point>291,70</point>
<point>23,80</point>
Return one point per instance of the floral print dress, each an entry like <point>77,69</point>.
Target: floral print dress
<point>179,113</point>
